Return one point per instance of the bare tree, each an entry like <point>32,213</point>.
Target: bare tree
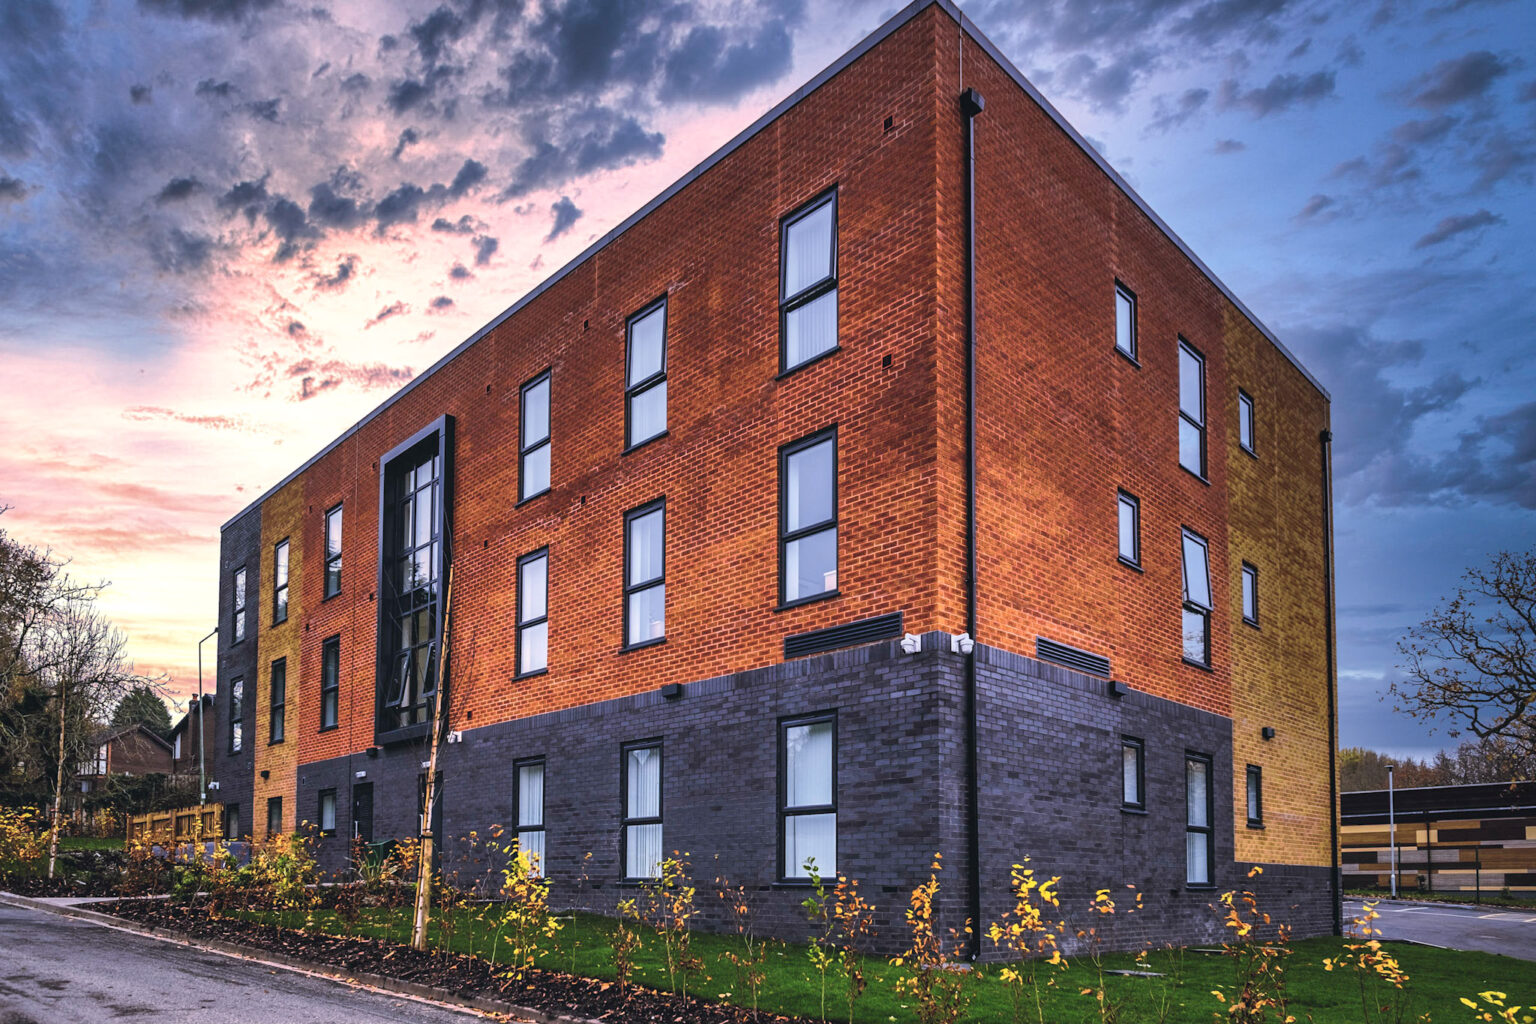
<point>1473,660</point>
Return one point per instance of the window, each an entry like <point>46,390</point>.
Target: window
<point>1197,600</point>
<point>240,604</point>
<point>1199,836</point>
<point>278,695</point>
<point>530,811</point>
<point>1250,594</point>
<point>330,682</point>
<point>533,472</point>
<point>231,821</point>
<point>808,283</point>
<point>645,377</point>
<point>645,574</point>
<point>333,552</point>
<point>642,810</point>
<point>176,748</point>
<point>236,714</point>
<point>1191,409</point>
<point>413,566</point>
<point>274,815</point>
<point>1133,773</point>
<point>280,583</point>
<point>808,796</point>
<point>1125,320</point>
<point>1130,529</point>
<point>327,815</point>
<point>808,518</point>
<point>533,612</point>
<point>1245,422</point>
<point>1255,796</point>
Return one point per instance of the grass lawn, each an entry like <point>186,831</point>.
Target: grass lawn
<point>1489,899</point>
<point>90,843</point>
<point>1438,978</point>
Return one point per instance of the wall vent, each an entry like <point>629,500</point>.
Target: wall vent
<point>881,627</point>
<point>1072,657</point>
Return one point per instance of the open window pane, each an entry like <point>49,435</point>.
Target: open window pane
<point>1245,421</point>
<point>1130,529</point>
<point>1197,780</point>
<point>1250,594</point>
<point>810,329</point>
<point>1125,322</point>
<point>807,837</point>
<point>1255,795</point>
<point>645,547</point>
<point>808,250</point>
<point>1197,572</point>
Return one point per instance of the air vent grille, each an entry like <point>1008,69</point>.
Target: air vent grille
<point>881,627</point>
<point>1071,657</point>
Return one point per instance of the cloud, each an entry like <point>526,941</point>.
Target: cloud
<point>468,177</point>
<point>332,209</point>
<point>465,225</point>
<point>708,67</point>
<point>1501,156</point>
<point>1106,85</point>
<point>1172,115</point>
<point>1457,224</point>
<point>210,87</point>
<point>1458,80</point>
<point>441,302</point>
<point>180,252</point>
<point>408,137</point>
<point>396,308</point>
<point>1225,146</point>
<point>459,272</point>
<point>1280,94</point>
<point>145,413</point>
<point>1316,205</point>
<point>140,94</point>
<point>177,189</point>
<point>595,139</point>
<point>565,216</point>
<point>335,282</point>
<point>210,10</point>
<point>1219,19</point>
<point>315,377</point>
<point>1424,132</point>
<point>485,247</point>
<point>13,190</point>
<point>264,110</point>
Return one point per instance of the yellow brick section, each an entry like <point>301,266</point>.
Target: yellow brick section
<point>281,518</point>
<point>1280,667</point>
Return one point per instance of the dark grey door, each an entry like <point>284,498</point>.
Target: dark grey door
<point>362,811</point>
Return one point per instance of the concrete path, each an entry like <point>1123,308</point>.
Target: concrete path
<point>1489,929</point>
<point>58,970</point>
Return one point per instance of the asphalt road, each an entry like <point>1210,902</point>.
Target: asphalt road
<point>57,970</point>
<point>1490,929</point>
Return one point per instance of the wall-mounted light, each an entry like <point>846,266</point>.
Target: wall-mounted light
<point>362,775</point>
<point>670,691</point>
<point>1268,732</point>
<point>265,774</point>
<point>961,643</point>
<point>1118,689</point>
<point>455,737</point>
<point>911,643</point>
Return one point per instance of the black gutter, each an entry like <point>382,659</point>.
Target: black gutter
<point>971,104</point>
<point>1335,881</point>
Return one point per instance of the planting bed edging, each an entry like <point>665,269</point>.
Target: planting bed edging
<point>235,949</point>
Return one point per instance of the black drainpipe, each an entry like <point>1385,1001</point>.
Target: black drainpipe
<point>971,104</point>
<point>1325,440</point>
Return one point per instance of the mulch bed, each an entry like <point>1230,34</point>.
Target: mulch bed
<point>548,991</point>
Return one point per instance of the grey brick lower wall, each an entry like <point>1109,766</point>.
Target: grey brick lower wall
<point>1049,746</point>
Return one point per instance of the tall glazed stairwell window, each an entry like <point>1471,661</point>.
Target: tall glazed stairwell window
<point>413,560</point>
<point>808,518</point>
<point>533,457</point>
<point>808,282</point>
<point>1191,409</point>
<point>645,390</point>
<point>533,612</point>
<point>645,574</point>
<point>1125,321</point>
<point>1197,599</point>
<point>239,621</point>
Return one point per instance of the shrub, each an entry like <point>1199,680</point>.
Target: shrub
<point>668,909</point>
<point>934,978</point>
<point>527,914</point>
<point>748,962</point>
<point>23,840</point>
<point>1028,937</point>
<point>1259,963</point>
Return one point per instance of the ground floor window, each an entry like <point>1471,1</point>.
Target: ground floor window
<point>642,810</point>
<point>327,813</point>
<point>274,815</point>
<point>232,821</point>
<point>530,811</point>
<point>1255,796</point>
<point>1199,836</point>
<point>1133,773</point>
<point>808,796</point>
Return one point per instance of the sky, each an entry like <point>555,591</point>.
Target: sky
<point>229,228</point>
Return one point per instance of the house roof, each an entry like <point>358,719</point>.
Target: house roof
<point>863,46</point>
<point>182,722</point>
<point>119,731</point>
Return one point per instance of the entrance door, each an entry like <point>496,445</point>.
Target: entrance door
<point>362,811</point>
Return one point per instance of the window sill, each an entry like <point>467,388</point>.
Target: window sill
<point>274,743</point>
<point>329,728</point>
<point>642,645</point>
<point>1130,564</point>
<point>1249,451</point>
<point>532,497</point>
<point>404,734</point>
<point>328,597</point>
<point>792,370</point>
<point>825,595</point>
<point>1250,622</point>
<point>635,883</point>
<point>1200,886</point>
<point>1202,666</point>
<point>1198,476</point>
<point>1257,825</point>
<point>531,675</point>
<point>641,444</point>
<point>797,883</point>
<point>1123,354</point>
<point>1138,811</point>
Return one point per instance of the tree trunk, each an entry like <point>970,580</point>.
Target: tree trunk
<point>429,791</point>
<point>58,790</point>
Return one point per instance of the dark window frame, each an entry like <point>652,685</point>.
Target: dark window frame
<point>786,536</point>
<point>1206,612</point>
<point>634,391</point>
<point>277,702</point>
<point>517,804</point>
<point>274,803</point>
<point>232,821</point>
<point>521,623</point>
<point>1123,496</point>
<point>1121,289</point>
<point>786,812</point>
<point>524,448</point>
<point>1208,829</point>
<point>280,580</point>
<point>1200,424</point>
<point>656,581</point>
<point>1140,746</point>
<point>320,812</point>
<point>1245,573</point>
<point>813,291</point>
<point>332,558</point>
<point>1253,793</point>
<point>330,688</point>
<point>240,598</point>
<point>237,715</point>
<point>625,821</point>
<point>1249,444</point>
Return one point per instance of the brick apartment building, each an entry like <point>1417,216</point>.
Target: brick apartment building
<point>692,492</point>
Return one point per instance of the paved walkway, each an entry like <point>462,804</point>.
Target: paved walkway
<point>1489,929</point>
<point>59,970</point>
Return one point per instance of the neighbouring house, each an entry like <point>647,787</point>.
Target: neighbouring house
<point>1469,838</point>
<point>896,482</point>
<point>194,733</point>
<point>123,750</point>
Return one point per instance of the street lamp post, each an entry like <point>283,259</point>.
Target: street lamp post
<point>202,763</point>
<point>1392,827</point>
